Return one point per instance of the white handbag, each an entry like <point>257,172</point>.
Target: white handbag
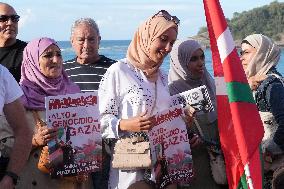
<point>130,153</point>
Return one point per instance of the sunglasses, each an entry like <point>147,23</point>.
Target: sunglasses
<point>167,16</point>
<point>195,58</point>
<point>5,18</point>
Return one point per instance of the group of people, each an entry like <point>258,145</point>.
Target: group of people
<point>131,91</point>
<point>38,68</point>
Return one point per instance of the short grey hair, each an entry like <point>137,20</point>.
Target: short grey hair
<point>91,22</point>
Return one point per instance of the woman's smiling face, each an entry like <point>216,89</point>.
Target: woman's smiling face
<point>50,62</point>
<point>162,45</point>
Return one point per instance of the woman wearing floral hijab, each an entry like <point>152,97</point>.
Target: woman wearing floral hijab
<point>259,57</point>
<point>134,89</point>
<point>42,75</point>
<point>188,71</point>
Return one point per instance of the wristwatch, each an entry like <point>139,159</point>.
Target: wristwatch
<point>14,176</point>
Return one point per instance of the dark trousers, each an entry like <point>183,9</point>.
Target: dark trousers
<point>100,178</point>
<point>3,166</point>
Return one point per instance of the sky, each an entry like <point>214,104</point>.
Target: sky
<point>117,19</point>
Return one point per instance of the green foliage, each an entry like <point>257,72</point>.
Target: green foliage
<point>202,30</point>
<point>268,20</point>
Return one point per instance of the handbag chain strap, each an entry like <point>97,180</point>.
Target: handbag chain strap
<point>198,127</point>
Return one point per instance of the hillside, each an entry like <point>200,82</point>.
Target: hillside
<point>268,20</point>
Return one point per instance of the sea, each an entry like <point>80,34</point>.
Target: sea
<point>116,49</point>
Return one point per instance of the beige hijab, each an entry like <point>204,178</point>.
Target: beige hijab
<point>267,55</point>
<point>138,50</point>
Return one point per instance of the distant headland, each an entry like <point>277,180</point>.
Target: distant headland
<point>267,20</point>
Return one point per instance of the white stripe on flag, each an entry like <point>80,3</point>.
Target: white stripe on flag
<point>220,86</point>
<point>225,44</point>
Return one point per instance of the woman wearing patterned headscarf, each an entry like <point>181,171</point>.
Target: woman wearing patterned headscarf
<point>42,76</point>
<point>188,71</point>
<point>134,89</point>
<point>259,57</point>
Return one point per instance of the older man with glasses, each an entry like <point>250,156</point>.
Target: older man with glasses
<point>11,48</point>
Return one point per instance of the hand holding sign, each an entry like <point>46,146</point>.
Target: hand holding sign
<point>189,113</point>
<point>43,135</point>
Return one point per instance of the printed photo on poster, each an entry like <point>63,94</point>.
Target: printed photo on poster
<point>198,98</point>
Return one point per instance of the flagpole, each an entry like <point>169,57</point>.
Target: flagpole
<point>248,177</point>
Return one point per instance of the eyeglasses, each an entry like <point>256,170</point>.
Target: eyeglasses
<point>4,18</point>
<point>195,58</point>
<point>167,16</point>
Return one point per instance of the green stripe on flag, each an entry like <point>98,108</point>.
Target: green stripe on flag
<point>243,182</point>
<point>239,92</point>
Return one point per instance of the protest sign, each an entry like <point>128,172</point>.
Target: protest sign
<point>170,149</point>
<point>78,147</point>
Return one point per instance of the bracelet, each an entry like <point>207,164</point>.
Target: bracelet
<point>14,176</point>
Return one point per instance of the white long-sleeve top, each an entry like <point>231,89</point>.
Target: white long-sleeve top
<point>125,92</point>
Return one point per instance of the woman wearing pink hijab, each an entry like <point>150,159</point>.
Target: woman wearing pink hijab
<point>42,75</point>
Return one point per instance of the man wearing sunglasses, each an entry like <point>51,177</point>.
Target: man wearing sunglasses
<point>11,48</point>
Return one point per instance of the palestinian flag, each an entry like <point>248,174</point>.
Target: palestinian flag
<point>240,126</point>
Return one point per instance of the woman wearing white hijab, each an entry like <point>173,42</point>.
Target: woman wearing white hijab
<point>259,57</point>
<point>188,71</point>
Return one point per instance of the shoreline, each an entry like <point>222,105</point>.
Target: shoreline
<point>203,38</point>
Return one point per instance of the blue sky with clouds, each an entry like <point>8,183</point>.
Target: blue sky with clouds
<point>117,19</point>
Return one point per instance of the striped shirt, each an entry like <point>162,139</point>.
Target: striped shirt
<point>87,76</point>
